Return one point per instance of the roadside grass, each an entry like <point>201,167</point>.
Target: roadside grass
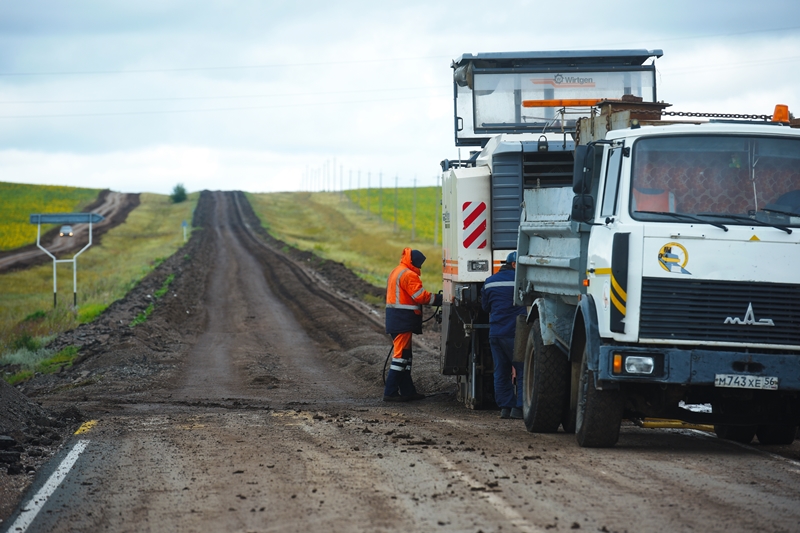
<point>142,317</point>
<point>335,228</point>
<point>42,361</point>
<point>106,273</point>
<point>19,200</point>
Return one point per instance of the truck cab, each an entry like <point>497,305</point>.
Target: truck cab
<point>688,296</point>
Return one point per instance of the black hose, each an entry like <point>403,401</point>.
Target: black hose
<point>383,374</point>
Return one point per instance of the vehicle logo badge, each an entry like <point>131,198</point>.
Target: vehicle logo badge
<point>749,319</point>
<point>673,257</point>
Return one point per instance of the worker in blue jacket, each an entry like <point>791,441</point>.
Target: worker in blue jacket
<point>497,298</point>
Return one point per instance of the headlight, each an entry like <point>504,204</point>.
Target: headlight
<point>635,364</point>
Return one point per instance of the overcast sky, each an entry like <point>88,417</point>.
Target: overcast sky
<point>254,95</point>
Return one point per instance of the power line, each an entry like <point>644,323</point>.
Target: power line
<point>352,62</point>
<point>712,36</point>
<point>179,98</point>
<point>726,66</point>
<point>196,69</point>
<point>178,111</point>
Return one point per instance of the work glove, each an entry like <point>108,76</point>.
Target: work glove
<point>437,300</point>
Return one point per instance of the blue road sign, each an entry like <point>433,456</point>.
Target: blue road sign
<point>184,224</point>
<point>66,218</point>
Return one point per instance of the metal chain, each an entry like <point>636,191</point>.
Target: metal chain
<point>765,118</point>
<point>716,115</point>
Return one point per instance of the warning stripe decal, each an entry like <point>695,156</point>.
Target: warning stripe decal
<point>475,225</point>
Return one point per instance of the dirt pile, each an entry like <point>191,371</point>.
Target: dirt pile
<point>29,436</point>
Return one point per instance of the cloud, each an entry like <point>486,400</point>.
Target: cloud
<point>256,89</point>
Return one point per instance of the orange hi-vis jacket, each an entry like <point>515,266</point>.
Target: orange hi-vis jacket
<point>405,297</point>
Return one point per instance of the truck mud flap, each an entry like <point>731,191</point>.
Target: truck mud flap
<point>456,345</point>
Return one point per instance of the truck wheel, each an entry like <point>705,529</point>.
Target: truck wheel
<point>599,412</point>
<point>740,434</point>
<point>782,434</point>
<point>544,384</point>
<point>571,405</point>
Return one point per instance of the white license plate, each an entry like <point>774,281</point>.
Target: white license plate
<point>739,381</point>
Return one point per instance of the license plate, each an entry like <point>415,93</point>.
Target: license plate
<point>739,381</point>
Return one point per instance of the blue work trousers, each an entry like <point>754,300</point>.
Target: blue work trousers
<point>503,355</point>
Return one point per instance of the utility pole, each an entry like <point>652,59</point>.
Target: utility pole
<point>414,213</point>
<point>395,203</point>
<point>438,219</point>
<point>380,196</point>
<point>369,179</point>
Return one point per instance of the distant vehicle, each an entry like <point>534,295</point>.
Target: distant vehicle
<point>66,231</point>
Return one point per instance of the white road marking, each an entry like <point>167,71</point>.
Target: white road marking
<point>503,507</point>
<point>35,504</point>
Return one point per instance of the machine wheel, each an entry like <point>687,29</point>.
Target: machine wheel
<point>477,386</point>
<point>782,434</point>
<point>741,434</point>
<point>598,412</point>
<point>544,384</point>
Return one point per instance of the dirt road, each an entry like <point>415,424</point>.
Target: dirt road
<point>113,206</point>
<point>251,402</point>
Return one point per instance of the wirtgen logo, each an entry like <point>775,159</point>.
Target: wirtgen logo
<point>560,80</point>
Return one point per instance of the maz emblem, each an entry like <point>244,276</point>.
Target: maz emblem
<point>749,319</point>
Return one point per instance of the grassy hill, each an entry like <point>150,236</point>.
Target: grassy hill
<point>336,227</point>
<point>18,201</point>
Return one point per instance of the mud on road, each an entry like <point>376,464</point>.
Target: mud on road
<point>251,401</point>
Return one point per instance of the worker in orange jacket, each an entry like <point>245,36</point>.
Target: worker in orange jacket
<point>405,297</point>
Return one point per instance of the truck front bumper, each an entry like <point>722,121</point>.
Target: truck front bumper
<point>695,366</point>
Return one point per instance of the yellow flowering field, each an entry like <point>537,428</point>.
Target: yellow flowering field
<point>19,200</point>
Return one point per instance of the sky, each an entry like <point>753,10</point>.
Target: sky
<point>272,95</point>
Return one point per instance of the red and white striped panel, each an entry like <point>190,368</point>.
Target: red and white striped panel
<point>474,216</point>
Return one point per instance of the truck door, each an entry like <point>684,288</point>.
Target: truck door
<point>612,245</point>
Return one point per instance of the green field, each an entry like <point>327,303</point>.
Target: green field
<point>424,219</point>
<point>18,201</point>
<point>334,227</point>
<point>331,225</point>
<point>151,233</point>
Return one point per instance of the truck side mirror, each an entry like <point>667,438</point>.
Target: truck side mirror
<point>582,173</point>
<point>582,169</point>
<point>582,208</point>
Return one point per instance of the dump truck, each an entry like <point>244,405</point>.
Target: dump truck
<point>655,249</point>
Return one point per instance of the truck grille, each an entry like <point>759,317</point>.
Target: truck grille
<point>698,309</point>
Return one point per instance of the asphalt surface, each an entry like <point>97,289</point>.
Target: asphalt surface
<point>261,411</point>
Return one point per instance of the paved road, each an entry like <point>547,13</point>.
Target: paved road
<point>274,424</point>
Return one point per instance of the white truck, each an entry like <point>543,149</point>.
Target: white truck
<point>656,258</point>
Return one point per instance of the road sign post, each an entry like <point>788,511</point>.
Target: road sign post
<point>184,225</point>
<point>65,218</point>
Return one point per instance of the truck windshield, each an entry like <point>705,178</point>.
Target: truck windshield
<point>737,180</point>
